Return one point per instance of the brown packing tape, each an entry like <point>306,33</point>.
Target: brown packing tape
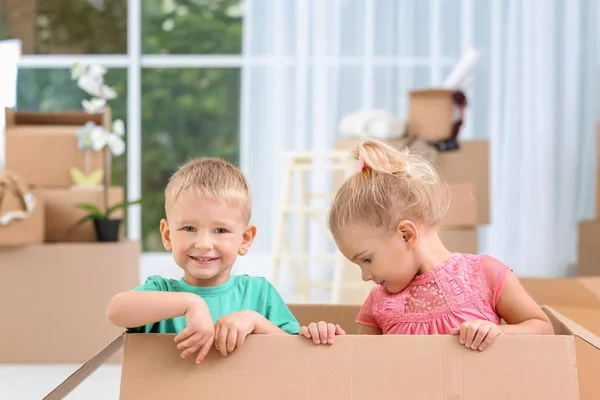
<point>61,118</point>
<point>87,369</point>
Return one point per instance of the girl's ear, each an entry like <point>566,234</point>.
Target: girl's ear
<point>409,232</point>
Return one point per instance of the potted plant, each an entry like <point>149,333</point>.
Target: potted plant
<point>91,138</point>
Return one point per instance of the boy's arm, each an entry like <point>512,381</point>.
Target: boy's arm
<point>264,326</point>
<point>278,318</point>
<point>139,308</point>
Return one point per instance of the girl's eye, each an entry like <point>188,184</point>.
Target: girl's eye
<point>220,230</point>
<point>367,260</point>
<point>189,229</point>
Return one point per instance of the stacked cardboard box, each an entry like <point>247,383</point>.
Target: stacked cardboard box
<point>68,275</point>
<point>589,231</point>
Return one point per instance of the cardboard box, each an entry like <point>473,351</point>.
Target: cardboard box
<point>42,147</point>
<point>462,212</point>
<point>25,231</point>
<point>460,240</point>
<point>561,366</point>
<point>55,297</point>
<point>431,114</point>
<point>61,212</point>
<point>588,249</point>
<point>471,163</point>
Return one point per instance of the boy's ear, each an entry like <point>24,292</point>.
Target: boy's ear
<point>247,239</point>
<point>165,234</point>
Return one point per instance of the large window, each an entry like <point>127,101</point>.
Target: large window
<point>171,64</point>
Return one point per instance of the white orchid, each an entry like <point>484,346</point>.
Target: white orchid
<point>115,144</point>
<point>95,138</point>
<point>93,106</point>
<point>119,127</point>
<point>90,79</point>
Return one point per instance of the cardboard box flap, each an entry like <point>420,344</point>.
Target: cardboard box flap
<point>356,367</point>
<point>573,327</point>
<point>87,369</point>
<point>564,292</point>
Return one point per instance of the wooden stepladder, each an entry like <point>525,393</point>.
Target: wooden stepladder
<point>338,165</point>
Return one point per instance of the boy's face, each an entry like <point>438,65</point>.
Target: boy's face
<point>205,237</point>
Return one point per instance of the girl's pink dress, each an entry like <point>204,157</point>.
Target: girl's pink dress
<point>464,288</point>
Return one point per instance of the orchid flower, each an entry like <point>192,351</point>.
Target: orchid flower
<point>93,106</point>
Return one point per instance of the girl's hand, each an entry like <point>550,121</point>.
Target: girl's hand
<point>321,332</point>
<point>477,334</point>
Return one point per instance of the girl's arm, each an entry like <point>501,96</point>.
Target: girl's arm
<point>521,313</point>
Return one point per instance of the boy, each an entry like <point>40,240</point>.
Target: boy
<point>208,207</point>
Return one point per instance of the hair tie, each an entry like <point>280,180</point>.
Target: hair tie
<point>361,163</point>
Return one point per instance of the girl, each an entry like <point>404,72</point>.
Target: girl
<point>385,219</point>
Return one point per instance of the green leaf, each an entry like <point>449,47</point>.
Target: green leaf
<point>92,209</point>
<point>79,223</point>
<point>123,205</point>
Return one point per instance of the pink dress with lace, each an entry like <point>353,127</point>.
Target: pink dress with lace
<point>464,288</point>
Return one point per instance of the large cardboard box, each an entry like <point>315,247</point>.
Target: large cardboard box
<point>54,299</point>
<point>469,164</point>
<point>42,147</point>
<point>61,213</point>
<point>25,231</point>
<point>588,249</point>
<point>553,367</point>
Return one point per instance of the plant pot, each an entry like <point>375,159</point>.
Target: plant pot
<point>107,230</point>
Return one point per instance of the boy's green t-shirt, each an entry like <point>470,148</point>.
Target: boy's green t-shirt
<point>241,292</point>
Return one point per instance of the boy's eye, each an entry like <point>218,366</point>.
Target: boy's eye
<point>220,230</point>
<point>189,229</point>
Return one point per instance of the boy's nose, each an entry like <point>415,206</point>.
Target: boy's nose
<point>203,242</point>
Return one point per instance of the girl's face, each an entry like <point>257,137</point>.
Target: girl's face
<point>386,257</point>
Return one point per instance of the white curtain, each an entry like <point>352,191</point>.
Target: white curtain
<point>543,109</point>
<point>309,62</point>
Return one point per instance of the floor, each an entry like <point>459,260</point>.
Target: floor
<point>33,382</point>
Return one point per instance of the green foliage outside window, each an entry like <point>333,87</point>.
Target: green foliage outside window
<point>185,112</point>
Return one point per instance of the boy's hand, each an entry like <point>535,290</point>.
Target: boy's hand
<point>232,329</point>
<point>322,332</point>
<point>477,334</point>
<point>199,332</point>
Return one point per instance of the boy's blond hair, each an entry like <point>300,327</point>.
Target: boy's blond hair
<point>393,185</point>
<point>212,178</point>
